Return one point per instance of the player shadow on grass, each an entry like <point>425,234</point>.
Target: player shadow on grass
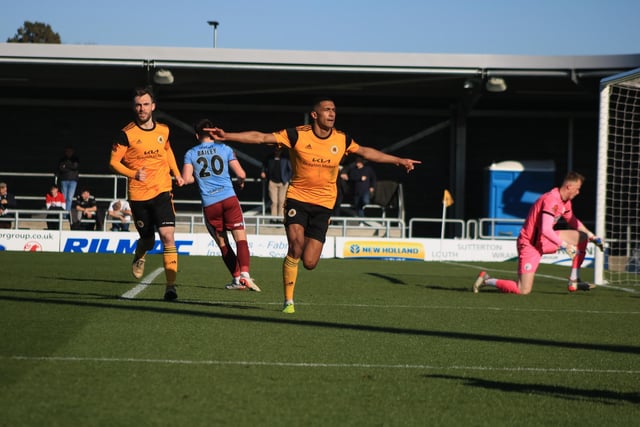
<point>606,397</point>
<point>445,288</point>
<point>186,308</point>
<point>396,281</point>
<point>389,279</point>
<point>59,293</point>
<point>85,279</point>
<point>56,297</point>
<point>240,306</point>
<point>118,296</point>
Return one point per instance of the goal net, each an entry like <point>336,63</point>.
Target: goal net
<point>618,195</point>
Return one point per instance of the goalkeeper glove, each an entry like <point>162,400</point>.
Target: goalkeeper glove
<point>571,250</point>
<point>598,242</point>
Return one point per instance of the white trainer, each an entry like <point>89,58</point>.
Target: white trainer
<point>479,283</point>
<point>137,268</point>
<point>249,283</point>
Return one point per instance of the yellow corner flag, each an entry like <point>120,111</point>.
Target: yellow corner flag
<point>447,199</point>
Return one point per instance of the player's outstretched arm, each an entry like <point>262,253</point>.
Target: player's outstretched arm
<point>247,137</point>
<point>378,156</point>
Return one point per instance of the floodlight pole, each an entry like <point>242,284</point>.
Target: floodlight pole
<point>214,24</point>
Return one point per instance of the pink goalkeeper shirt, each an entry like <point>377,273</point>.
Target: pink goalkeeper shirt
<point>549,206</point>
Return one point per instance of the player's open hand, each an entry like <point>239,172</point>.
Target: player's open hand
<point>571,250</point>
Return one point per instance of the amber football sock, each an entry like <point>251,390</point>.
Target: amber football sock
<point>170,260</point>
<point>289,276</point>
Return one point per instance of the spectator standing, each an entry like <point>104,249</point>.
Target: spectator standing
<point>277,170</point>
<point>362,178</point>
<point>54,201</point>
<point>7,202</point>
<point>67,175</point>
<point>86,208</point>
<point>208,164</point>
<point>341,190</point>
<point>120,213</point>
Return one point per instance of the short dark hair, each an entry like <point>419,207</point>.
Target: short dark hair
<point>201,125</point>
<point>318,99</point>
<point>574,176</point>
<point>141,91</point>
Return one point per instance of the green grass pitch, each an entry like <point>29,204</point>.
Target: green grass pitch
<point>373,343</point>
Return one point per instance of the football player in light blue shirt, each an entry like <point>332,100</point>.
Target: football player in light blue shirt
<point>208,164</point>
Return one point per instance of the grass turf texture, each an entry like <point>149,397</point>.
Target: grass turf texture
<point>372,343</point>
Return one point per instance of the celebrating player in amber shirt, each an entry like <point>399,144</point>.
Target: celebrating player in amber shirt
<point>315,153</point>
<point>142,152</point>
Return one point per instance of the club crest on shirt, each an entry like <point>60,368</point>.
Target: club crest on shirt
<point>334,149</point>
<point>160,139</point>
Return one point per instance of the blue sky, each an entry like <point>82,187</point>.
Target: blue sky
<point>521,27</point>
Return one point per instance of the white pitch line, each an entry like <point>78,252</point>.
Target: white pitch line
<point>317,365</point>
<point>419,307</point>
<point>618,288</point>
<point>146,281</point>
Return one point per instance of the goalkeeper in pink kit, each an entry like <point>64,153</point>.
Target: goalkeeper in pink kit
<point>538,237</point>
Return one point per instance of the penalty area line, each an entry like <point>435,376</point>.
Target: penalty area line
<point>132,293</point>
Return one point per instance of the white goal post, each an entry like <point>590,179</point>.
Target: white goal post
<point>618,182</point>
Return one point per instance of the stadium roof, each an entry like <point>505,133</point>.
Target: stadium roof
<point>421,94</point>
<point>391,83</point>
